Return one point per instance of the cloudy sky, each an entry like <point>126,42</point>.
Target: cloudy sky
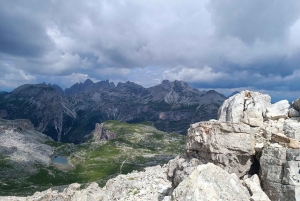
<point>211,44</point>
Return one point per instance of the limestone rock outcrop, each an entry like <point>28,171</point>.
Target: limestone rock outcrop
<point>251,136</point>
<point>246,106</point>
<point>278,110</point>
<point>100,133</point>
<point>279,173</point>
<point>180,168</point>
<point>149,185</point>
<point>252,183</point>
<point>228,145</point>
<point>210,182</point>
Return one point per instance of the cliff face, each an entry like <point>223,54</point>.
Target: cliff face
<point>42,104</point>
<point>251,136</point>
<point>172,106</point>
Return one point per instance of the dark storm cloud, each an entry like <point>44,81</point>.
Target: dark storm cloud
<point>251,20</point>
<point>22,33</point>
<point>212,43</point>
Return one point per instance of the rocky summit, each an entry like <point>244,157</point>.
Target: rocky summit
<point>252,152</point>
<point>70,115</point>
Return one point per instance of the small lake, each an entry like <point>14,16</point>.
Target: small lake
<point>61,163</point>
<point>60,160</point>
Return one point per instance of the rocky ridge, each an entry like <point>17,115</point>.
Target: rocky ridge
<point>251,152</point>
<point>70,115</point>
<point>251,137</point>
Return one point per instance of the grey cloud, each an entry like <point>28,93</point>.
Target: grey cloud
<point>249,20</point>
<point>253,81</point>
<point>120,40</point>
<point>22,33</point>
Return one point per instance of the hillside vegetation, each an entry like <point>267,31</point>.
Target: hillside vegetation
<point>137,146</point>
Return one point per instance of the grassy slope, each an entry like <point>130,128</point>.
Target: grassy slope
<point>137,146</point>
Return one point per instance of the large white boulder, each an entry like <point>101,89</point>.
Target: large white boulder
<point>228,145</point>
<point>246,106</point>
<point>252,183</point>
<point>149,185</point>
<point>210,182</point>
<point>278,110</point>
<point>292,129</point>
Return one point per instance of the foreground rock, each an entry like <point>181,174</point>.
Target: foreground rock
<point>280,173</point>
<point>206,182</point>
<point>149,185</point>
<point>251,136</point>
<point>210,182</point>
<point>228,145</point>
<point>246,106</point>
<point>252,183</point>
<point>72,193</point>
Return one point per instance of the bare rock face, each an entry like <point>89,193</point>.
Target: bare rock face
<point>252,183</point>
<point>100,133</point>
<point>246,106</point>
<point>250,128</point>
<point>71,115</point>
<point>180,168</point>
<point>280,173</point>
<point>151,184</point>
<point>278,110</point>
<point>292,129</point>
<point>210,182</point>
<point>296,104</point>
<point>228,145</point>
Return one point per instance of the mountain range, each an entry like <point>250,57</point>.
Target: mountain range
<point>71,114</point>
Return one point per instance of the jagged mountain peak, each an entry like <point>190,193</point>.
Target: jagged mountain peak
<point>173,84</point>
<point>127,83</point>
<point>57,88</point>
<point>130,87</point>
<point>88,86</point>
<point>88,81</point>
<point>213,93</point>
<point>175,92</point>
